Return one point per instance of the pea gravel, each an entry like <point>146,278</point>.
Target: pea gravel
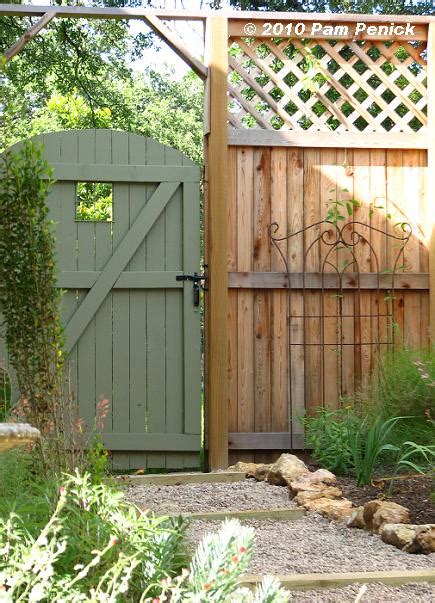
<point>311,544</point>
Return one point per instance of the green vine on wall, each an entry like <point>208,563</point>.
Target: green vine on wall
<point>29,297</point>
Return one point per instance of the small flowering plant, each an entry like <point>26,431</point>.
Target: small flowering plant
<point>215,571</point>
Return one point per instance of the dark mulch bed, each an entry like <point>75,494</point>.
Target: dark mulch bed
<point>412,493</point>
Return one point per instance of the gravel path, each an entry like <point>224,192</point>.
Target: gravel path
<point>307,545</point>
<point>314,545</point>
<point>191,498</point>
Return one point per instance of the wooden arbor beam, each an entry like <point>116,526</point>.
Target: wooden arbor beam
<point>177,45</point>
<point>216,244</point>
<point>29,35</point>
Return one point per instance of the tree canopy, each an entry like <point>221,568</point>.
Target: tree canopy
<point>79,74</point>
<point>386,7</point>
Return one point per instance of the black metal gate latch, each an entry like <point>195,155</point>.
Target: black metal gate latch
<point>196,280</point>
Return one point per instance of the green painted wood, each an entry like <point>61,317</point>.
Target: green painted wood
<point>158,441</point>
<point>86,232</point>
<point>119,259</point>
<point>95,172</point>
<point>66,236</point>
<point>174,317</point>
<point>138,195</point>
<point>192,316</point>
<point>156,357</point>
<point>132,279</point>
<point>127,317</point>
<point>121,307</point>
<point>103,318</point>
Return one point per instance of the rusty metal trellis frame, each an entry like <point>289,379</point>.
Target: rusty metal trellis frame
<point>334,238</point>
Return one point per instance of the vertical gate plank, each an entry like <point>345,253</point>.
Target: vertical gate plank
<point>295,255</point>
<point>103,318</point>
<point>378,198</point>
<point>191,314</point>
<point>261,258</point>
<point>346,358</point>
<point>232,295</point>
<point>138,372</point>
<point>411,209</point>
<point>86,261</point>
<point>313,374</point>
<point>363,256</point>
<point>394,199</point>
<point>328,192</point>
<point>121,309</point>
<point>279,338</point>
<point>156,320</point>
<point>426,212</point>
<point>245,312</point>
<point>66,235</point>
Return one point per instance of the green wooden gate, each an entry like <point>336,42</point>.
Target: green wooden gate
<point>132,329</point>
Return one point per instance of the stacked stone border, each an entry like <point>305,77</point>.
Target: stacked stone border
<point>316,491</point>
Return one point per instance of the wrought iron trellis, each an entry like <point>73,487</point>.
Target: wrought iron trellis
<point>337,248</point>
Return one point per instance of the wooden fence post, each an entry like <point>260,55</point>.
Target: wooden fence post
<point>431,173</point>
<point>216,244</point>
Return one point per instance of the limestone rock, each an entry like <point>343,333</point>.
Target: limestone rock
<point>316,481</point>
<point>423,541</point>
<point>307,495</point>
<point>398,534</point>
<point>322,475</point>
<point>248,468</point>
<point>379,512</point>
<point>337,510</point>
<point>356,519</point>
<point>13,435</point>
<point>261,471</point>
<point>286,469</point>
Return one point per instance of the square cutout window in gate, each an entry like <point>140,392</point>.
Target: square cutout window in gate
<point>94,202</point>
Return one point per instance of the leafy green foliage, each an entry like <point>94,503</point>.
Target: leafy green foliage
<point>403,383</point>
<point>28,295</point>
<point>153,105</point>
<point>337,206</point>
<point>219,562</point>
<point>388,7</point>
<point>5,393</point>
<point>93,546</point>
<point>94,201</point>
<point>368,444</point>
<point>407,458</point>
<point>327,433</point>
<point>89,56</point>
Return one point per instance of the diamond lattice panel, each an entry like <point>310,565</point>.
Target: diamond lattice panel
<point>323,86</point>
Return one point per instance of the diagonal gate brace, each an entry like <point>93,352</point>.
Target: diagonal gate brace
<point>114,267</point>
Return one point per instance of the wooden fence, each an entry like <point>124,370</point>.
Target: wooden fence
<point>315,123</point>
<point>320,107</point>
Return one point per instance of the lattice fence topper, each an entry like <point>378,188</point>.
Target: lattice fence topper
<point>343,86</point>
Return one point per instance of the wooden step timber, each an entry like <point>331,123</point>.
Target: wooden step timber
<point>287,514</point>
<point>332,580</point>
<point>178,479</point>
